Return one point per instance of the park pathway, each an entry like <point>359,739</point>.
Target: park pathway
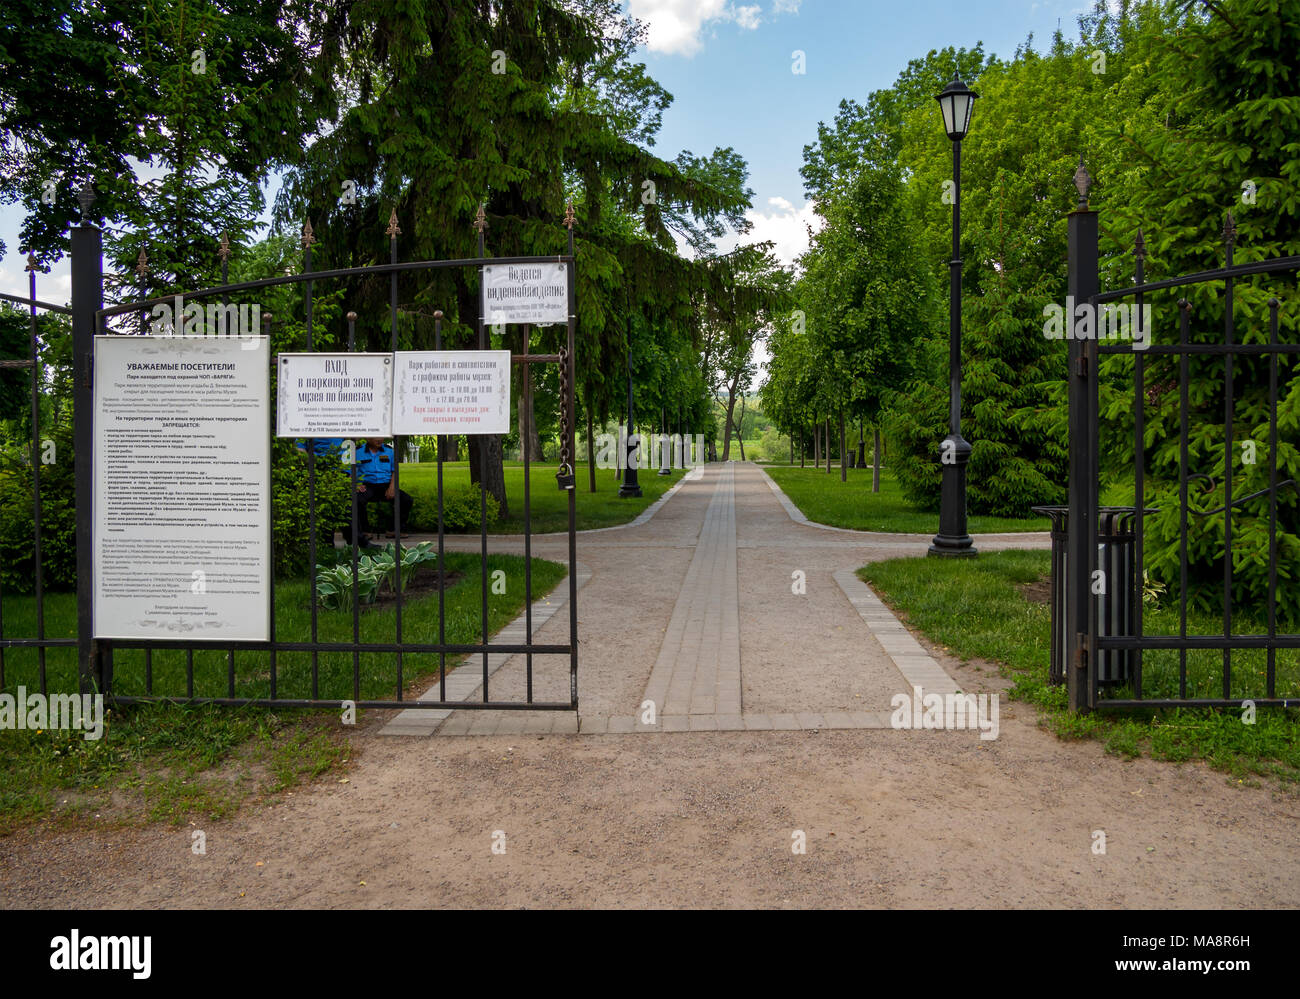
<point>709,817</point>
<point>723,611</point>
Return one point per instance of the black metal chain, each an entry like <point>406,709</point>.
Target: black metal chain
<point>564,475</point>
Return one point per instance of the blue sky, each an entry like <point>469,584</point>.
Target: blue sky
<point>728,65</point>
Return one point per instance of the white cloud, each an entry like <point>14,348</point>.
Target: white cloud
<point>786,6</point>
<point>674,26</point>
<point>55,287</point>
<point>783,225</point>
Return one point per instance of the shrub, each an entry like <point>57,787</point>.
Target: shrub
<point>291,514</point>
<point>460,507</point>
<point>58,517</point>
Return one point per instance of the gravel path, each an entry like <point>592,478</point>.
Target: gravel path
<point>889,818</point>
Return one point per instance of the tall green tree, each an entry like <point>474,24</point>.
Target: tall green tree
<point>1217,137</point>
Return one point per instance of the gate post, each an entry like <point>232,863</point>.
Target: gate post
<point>87,298</point>
<point>1083,283</point>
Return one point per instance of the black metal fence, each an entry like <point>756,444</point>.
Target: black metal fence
<point>289,670</point>
<point>1175,666</point>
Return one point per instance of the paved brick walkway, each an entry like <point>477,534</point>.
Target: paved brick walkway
<point>691,608</point>
<point>698,669</point>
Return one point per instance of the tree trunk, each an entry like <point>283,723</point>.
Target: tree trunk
<point>792,449</point>
<point>731,409</point>
<point>740,429</point>
<point>844,457</point>
<point>449,448</point>
<point>485,454</point>
<point>875,472</point>
<point>862,453</point>
<point>828,444</point>
<point>817,444</point>
<point>529,442</point>
<point>591,448</point>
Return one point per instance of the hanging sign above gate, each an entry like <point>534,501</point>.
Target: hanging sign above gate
<point>335,395</point>
<point>452,392</point>
<point>526,293</point>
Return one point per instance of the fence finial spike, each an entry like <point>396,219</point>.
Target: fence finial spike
<point>1082,181</point>
<point>568,215</point>
<point>480,219</point>
<point>1230,230</point>
<point>31,262</point>
<point>393,229</point>
<point>307,237</point>
<point>86,198</point>
<point>142,263</point>
<point>223,251</point>
<point>1140,246</point>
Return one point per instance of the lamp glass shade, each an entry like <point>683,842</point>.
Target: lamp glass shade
<point>956,102</point>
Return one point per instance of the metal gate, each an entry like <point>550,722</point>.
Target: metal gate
<point>1174,667</point>
<point>287,670</point>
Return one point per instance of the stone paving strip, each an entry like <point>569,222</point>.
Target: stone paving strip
<point>466,681</point>
<point>918,667</point>
<point>698,669</point>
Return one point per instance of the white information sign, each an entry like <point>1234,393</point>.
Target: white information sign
<point>452,392</point>
<point>335,395</point>
<point>182,537</point>
<point>526,293</point>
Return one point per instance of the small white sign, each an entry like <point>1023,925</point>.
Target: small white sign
<point>526,293</point>
<point>335,395</point>
<point>452,392</point>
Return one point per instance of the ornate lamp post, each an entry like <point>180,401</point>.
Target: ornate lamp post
<point>952,540</point>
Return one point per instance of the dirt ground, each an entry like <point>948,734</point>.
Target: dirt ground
<point>709,819</point>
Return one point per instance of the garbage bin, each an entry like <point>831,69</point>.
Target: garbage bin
<point>1116,555</point>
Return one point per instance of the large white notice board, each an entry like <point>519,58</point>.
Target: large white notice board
<point>451,392</point>
<point>182,488</point>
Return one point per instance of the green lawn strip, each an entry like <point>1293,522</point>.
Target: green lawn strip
<point>549,504</point>
<point>974,608</point>
<point>171,762</point>
<point>824,499</point>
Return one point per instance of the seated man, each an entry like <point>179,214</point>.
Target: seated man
<point>375,463</point>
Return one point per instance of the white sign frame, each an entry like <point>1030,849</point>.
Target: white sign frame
<point>292,420</point>
<point>536,293</point>
<point>416,410</point>
<point>182,571</point>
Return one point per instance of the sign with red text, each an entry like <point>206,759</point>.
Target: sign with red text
<point>451,392</point>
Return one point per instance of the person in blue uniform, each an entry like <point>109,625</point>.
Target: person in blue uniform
<point>375,461</point>
<point>323,446</point>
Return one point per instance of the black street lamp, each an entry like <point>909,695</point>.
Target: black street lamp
<point>954,453</point>
<point>630,486</point>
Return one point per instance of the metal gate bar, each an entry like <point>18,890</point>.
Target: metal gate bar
<point>95,657</point>
<point>1087,639</point>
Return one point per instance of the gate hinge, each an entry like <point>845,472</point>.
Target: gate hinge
<point>1080,661</point>
<point>1081,365</point>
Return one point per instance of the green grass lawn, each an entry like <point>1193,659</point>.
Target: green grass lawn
<point>826,500</point>
<point>975,609</point>
<point>549,504</point>
<point>172,762</point>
